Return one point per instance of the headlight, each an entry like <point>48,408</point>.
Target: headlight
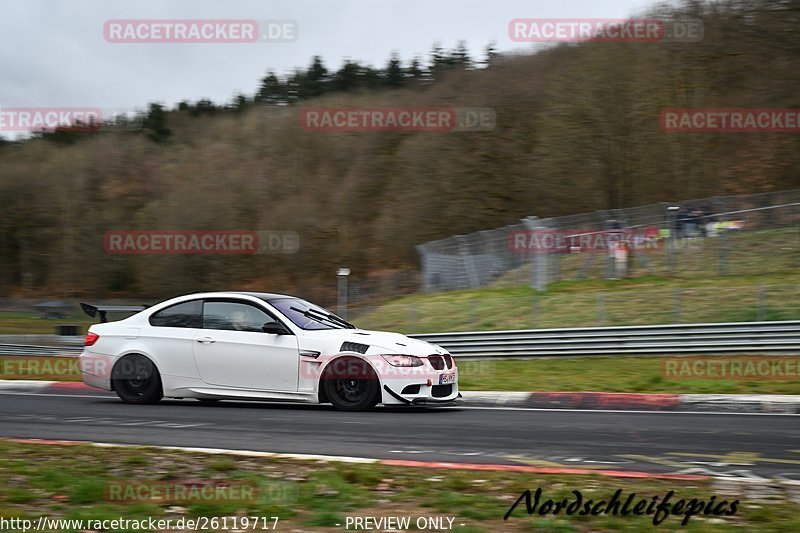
<point>402,360</point>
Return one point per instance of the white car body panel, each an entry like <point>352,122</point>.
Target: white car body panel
<point>228,364</point>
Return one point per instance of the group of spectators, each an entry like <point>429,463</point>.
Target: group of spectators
<point>693,222</point>
<point>688,222</point>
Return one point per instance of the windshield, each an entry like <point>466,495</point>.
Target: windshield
<point>306,315</point>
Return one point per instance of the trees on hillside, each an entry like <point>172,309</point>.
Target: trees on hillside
<point>353,76</point>
<point>577,130</point>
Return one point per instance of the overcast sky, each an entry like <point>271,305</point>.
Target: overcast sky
<point>53,52</point>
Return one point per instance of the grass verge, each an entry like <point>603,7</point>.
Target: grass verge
<point>72,482</point>
<point>608,374</point>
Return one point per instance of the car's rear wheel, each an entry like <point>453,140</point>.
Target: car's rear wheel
<point>136,380</point>
<point>351,385</point>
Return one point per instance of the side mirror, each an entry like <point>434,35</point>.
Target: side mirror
<point>273,328</point>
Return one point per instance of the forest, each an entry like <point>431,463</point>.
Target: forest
<point>577,129</point>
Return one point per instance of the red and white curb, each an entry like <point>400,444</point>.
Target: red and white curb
<point>47,387</point>
<point>730,403</point>
<point>623,401</point>
<point>385,462</point>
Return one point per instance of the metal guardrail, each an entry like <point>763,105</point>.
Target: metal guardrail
<point>39,344</point>
<point>724,338</point>
<point>31,349</point>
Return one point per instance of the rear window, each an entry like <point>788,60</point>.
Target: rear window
<point>182,315</point>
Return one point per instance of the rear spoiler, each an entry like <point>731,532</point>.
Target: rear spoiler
<point>101,310</point>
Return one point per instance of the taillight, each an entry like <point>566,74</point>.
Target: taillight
<point>91,338</point>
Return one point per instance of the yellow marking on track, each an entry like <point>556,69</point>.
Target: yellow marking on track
<point>549,464</point>
<point>737,458</point>
<point>655,460</point>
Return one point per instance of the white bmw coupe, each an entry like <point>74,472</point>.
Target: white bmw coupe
<point>260,346</point>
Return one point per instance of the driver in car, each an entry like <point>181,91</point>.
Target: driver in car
<point>240,321</point>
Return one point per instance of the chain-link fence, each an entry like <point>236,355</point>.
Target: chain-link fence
<point>741,235</point>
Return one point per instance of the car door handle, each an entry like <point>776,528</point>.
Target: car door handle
<point>206,340</point>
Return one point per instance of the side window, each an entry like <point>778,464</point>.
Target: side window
<point>234,316</point>
<point>182,315</point>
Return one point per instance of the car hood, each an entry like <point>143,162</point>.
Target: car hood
<point>379,342</point>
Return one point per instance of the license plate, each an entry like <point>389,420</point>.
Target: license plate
<point>444,379</point>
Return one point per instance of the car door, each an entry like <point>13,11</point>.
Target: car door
<point>232,351</point>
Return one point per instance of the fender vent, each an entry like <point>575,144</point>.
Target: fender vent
<point>353,347</point>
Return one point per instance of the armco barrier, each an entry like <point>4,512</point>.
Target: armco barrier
<point>30,349</point>
<point>725,338</point>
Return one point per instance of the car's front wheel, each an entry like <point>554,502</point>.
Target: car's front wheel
<point>136,380</point>
<point>351,385</point>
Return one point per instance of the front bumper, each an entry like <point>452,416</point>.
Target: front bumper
<point>435,402</point>
<point>421,385</point>
<point>423,399</point>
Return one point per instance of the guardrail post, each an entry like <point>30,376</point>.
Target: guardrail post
<point>761,312</point>
<point>677,307</point>
<point>535,310</point>
<point>724,245</point>
<point>473,314</point>
<point>538,258</point>
<point>412,317</point>
<point>601,309</point>
<point>673,239</point>
<point>555,274</point>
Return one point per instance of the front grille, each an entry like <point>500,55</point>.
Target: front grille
<point>440,391</point>
<point>449,360</point>
<point>437,361</point>
<point>411,389</point>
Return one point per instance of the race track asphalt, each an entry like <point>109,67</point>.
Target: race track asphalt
<point>720,444</point>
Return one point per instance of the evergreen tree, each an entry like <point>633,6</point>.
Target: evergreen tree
<point>315,80</point>
<point>414,72</point>
<point>271,91</point>
<point>155,123</point>
<point>239,102</point>
<point>459,56</point>
<point>490,54</point>
<point>372,79</point>
<point>394,72</point>
<point>346,78</point>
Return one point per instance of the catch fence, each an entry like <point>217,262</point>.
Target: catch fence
<point>723,235</point>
